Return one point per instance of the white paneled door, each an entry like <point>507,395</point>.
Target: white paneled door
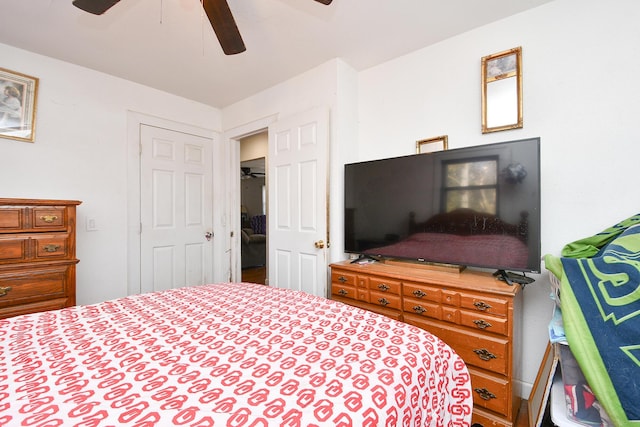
<point>297,188</point>
<point>175,209</point>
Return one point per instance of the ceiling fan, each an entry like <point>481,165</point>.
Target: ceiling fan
<point>246,173</point>
<point>217,11</point>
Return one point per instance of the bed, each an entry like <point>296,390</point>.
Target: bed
<point>232,354</point>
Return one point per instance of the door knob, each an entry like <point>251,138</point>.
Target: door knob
<point>208,235</point>
<point>319,244</point>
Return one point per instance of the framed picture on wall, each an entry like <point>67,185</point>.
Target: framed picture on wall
<point>430,145</point>
<point>18,96</point>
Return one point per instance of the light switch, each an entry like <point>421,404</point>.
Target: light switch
<point>92,224</point>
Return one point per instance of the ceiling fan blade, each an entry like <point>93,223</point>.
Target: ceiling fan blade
<point>327,2</point>
<point>224,26</point>
<point>97,7</point>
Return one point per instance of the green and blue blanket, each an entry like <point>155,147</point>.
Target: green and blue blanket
<point>600,297</point>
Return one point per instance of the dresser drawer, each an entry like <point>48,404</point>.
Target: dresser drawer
<point>493,393</point>
<point>495,306</point>
<point>48,218</point>
<point>21,287</point>
<point>343,278</point>
<point>343,290</point>
<point>379,284</point>
<point>481,321</point>
<point>476,349</point>
<point>18,248</point>
<point>385,300</point>
<point>11,219</point>
<point>421,292</point>
<point>13,249</point>
<point>15,310</point>
<point>40,218</point>
<point>422,308</point>
<point>51,246</point>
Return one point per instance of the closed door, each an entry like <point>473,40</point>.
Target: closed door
<point>297,188</point>
<point>175,209</point>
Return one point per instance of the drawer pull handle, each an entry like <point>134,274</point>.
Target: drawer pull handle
<point>51,248</point>
<point>418,293</point>
<point>419,309</point>
<point>343,292</point>
<point>4,290</point>
<point>484,393</point>
<point>48,218</point>
<point>342,279</point>
<point>482,306</point>
<point>384,301</point>
<point>482,324</point>
<point>484,354</point>
<point>383,287</point>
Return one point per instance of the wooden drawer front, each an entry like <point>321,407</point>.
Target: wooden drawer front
<point>363,282</point>
<point>394,314</point>
<point>495,306</point>
<point>487,419</point>
<point>421,292</point>
<point>23,287</point>
<point>493,393</point>
<point>480,321</point>
<point>378,284</point>
<point>342,278</point>
<point>15,310</point>
<point>49,218</point>
<point>476,349</point>
<point>344,291</point>
<point>383,299</point>
<point>422,308</point>
<point>451,297</point>
<point>51,246</point>
<point>11,219</point>
<point>13,249</point>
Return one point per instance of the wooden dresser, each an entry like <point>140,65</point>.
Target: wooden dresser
<point>37,255</point>
<point>473,312</point>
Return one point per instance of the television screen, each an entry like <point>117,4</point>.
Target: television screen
<point>476,206</point>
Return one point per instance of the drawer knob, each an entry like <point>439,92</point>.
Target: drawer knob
<point>482,306</point>
<point>51,248</point>
<point>342,279</point>
<point>419,309</point>
<point>4,290</point>
<point>384,301</point>
<point>484,354</point>
<point>383,287</point>
<point>484,393</point>
<point>48,218</point>
<point>418,293</point>
<point>482,324</point>
<point>343,292</point>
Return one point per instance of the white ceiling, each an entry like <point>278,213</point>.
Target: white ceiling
<point>169,44</point>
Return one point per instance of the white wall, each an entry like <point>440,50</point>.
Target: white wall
<point>80,153</point>
<point>581,62</point>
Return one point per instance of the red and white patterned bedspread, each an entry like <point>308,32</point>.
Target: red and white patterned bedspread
<point>226,355</point>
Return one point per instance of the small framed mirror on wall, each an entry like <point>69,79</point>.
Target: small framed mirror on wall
<point>502,91</point>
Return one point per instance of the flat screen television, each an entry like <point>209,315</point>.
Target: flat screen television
<point>473,207</point>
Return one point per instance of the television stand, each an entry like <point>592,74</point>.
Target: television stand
<point>511,278</point>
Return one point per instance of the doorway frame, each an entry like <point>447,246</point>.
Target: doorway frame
<point>134,122</point>
<point>233,137</point>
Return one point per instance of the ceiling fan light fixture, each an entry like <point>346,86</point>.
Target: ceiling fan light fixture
<point>97,7</point>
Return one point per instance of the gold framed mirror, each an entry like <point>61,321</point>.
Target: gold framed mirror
<point>439,143</point>
<point>502,91</point>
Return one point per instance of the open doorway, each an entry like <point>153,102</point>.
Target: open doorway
<point>253,208</point>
